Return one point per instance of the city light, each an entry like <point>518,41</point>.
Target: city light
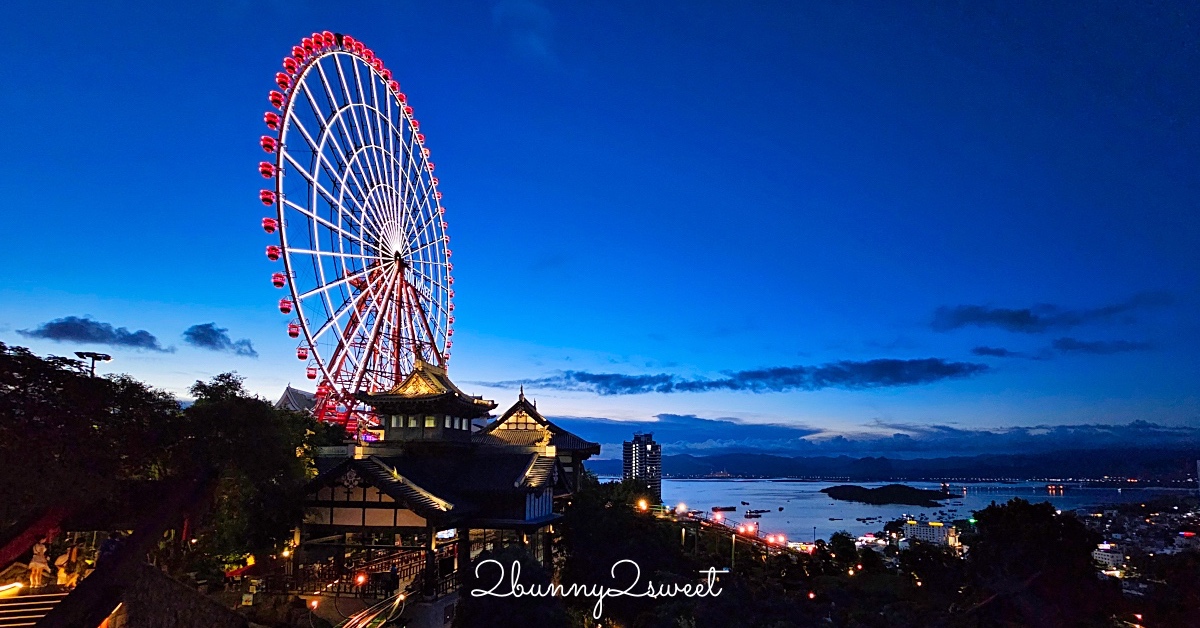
<point>313,604</point>
<point>285,553</point>
<point>811,595</point>
<point>643,505</point>
<point>360,579</point>
<point>681,508</point>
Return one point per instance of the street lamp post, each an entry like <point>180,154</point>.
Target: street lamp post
<point>93,356</point>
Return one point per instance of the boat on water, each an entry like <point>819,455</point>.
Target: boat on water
<point>835,519</point>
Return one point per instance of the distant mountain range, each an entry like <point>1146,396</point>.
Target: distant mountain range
<point>1143,464</point>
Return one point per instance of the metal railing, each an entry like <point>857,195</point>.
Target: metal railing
<point>377,578</point>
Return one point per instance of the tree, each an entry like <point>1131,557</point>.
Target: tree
<point>67,437</point>
<point>842,548</point>
<point>262,454</point>
<point>1175,598</point>
<point>511,611</point>
<point>602,526</point>
<point>1030,565</point>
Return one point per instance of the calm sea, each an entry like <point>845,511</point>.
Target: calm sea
<point>798,508</point>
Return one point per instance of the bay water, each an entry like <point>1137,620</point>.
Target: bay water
<point>801,511</point>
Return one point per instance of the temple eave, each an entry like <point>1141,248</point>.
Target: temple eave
<point>445,403</point>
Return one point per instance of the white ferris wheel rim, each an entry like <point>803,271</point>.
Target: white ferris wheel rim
<point>370,221</point>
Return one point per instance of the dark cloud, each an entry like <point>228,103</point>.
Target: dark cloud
<point>996,352</point>
<point>90,331</point>
<point>700,436</point>
<point>1099,347</point>
<point>845,374</point>
<point>691,434</point>
<point>1043,317</point>
<point>917,440</point>
<point>209,336</point>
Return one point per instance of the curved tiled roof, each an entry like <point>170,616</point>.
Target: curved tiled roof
<point>296,399</point>
<point>388,480</point>
<point>559,437</point>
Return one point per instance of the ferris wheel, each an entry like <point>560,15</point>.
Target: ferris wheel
<point>362,235</point>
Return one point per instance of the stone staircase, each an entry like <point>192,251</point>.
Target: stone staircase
<point>27,610</point>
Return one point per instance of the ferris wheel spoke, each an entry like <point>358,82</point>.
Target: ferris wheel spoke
<point>380,317</point>
<point>428,216</point>
<point>353,302</point>
<point>394,132</point>
<point>324,222</point>
<point>341,281</point>
<point>340,174</point>
<point>424,246</point>
<point>391,152</point>
<point>350,106</point>
<point>329,197</point>
<point>330,169</point>
<point>353,236</point>
<point>370,131</point>
<point>369,258</point>
<point>359,316</point>
<point>413,204</point>
<point>386,131</point>
<point>336,173</point>
<point>425,324</point>
<point>395,177</point>
<point>338,109</point>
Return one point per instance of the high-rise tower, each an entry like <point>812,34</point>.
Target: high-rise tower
<point>642,460</point>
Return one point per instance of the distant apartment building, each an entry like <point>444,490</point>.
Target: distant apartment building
<point>1109,555</point>
<point>642,460</point>
<point>931,532</point>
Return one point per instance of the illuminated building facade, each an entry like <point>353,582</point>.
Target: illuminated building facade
<point>432,491</point>
<point>931,532</point>
<point>641,459</point>
<point>1108,555</point>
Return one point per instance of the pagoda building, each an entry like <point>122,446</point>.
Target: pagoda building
<point>523,426</point>
<point>434,490</point>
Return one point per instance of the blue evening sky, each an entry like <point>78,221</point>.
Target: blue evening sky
<point>998,199</point>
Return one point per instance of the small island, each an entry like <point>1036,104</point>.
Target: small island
<point>890,494</point>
